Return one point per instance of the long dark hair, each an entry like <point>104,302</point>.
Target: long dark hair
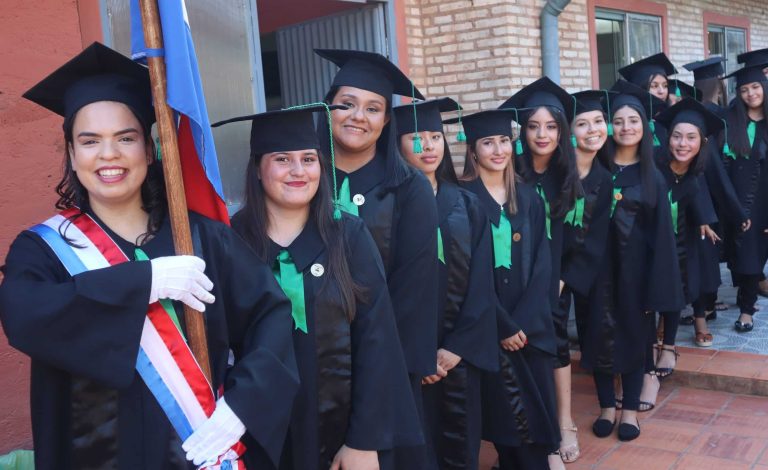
<point>712,90</point>
<point>738,119</point>
<point>387,145</point>
<point>699,161</point>
<point>252,222</point>
<point>645,157</point>
<point>72,193</point>
<point>647,85</point>
<point>511,178</point>
<point>563,163</point>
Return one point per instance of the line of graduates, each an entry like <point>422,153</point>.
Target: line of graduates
<point>368,308</point>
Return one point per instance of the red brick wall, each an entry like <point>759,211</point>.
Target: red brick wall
<point>36,36</point>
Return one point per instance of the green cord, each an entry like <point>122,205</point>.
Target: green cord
<point>608,106</point>
<point>461,136</point>
<point>417,148</point>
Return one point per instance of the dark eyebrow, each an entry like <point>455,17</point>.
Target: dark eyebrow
<point>358,99</point>
<point>93,134</point>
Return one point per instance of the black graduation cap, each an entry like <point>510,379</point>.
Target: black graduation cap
<point>369,71</point>
<point>639,72</point>
<point>689,91</point>
<point>98,73</point>
<point>636,97</point>
<point>707,68</point>
<point>283,130</point>
<point>692,112</point>
<point>594,100</point>
<point>423,115</point>
<point>749,74</point>
<point>487,123</point>
<point>542,92</point>
<point>759,56</point>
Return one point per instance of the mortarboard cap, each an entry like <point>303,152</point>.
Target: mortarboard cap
<point>688,91</point>
<point>542,92</point>
<point>98,73</point>
<point>692,112</point>
<point>707,68</point>
<point>284,130</point>
<point>369,71</point>
<point>486,123</point>
<point>593,100</point>
<point>641,71</point>
<point>749,74</point>
<point>423,115</point>
<point>634,96</point>
<point>759,56</point>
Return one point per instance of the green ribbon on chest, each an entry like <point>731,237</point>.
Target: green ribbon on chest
<point>291,280</point>
<point>502,242</point>
<point>345,199</point>
<point>440,253</point>
<point>167,304</point>
<point>673,210</point>
<point>751,132</point>
<point>575,216</point>
<point>540,190</point>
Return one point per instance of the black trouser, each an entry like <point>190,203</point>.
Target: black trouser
<point>671,322</point>
<point>746,296</point>
<point>524,457</point>
<point>631,386</point>
<point>705,303</point>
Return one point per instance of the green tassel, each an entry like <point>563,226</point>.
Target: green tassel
<point>158,150</point>
<point>677,92</point>
<point>727,151</point>
<point>573,141</point>
<point>461,136</point>
<point>417,145</point>
<point>518,147</point>
<point>610,129</point>
<point>336,213</point>
<point>652,125</point>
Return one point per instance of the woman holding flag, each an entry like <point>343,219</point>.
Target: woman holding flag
<point>89,296</point>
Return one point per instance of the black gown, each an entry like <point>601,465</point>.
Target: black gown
<point>746,251</point>
<point>467,320</point>
<point>639,275</point>
<point>90,408</point>
<point>584,249</point>
<point>354,384</point>
<point>403,223</point>
<point>519,405</point>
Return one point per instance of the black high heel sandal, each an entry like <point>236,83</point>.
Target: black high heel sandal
<point>662,372</point>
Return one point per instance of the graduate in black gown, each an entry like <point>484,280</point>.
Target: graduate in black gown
<point>394,200</point>
<point>746,157</point>
<point>90,407</point>
<point>466,300</point>
<point>547,164</point>
<point>519,409</point>
<point>682,164</point>
<point>642,274</point>
<point>355,398</point>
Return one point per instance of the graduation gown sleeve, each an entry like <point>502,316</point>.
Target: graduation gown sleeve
<point>473,337</point>
<point>413,278</point>
<point>721,189</point>
<point>87,325</point>
<point>383,411</point>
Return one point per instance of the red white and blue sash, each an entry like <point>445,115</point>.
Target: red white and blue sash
<point>165,361</point>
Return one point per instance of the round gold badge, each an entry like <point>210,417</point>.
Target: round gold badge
<point>618,196</point>
<point>516,237</point>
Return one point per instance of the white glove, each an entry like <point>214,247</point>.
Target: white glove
<point>181,278</point>
<point>215,436</point>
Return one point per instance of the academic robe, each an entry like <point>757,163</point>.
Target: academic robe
<point>90,408</point>
<point>354,384</point>
<point>467,328</point>
<point>584,249</point>
<point>746,251</point>
<point>640,275</point>
<point>403,223</point>
<point>519,401</point>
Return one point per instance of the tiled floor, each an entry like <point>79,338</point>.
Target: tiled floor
<point>689,429</point>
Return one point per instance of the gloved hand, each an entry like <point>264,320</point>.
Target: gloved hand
<point>220,432</point>
<point>181,278</point>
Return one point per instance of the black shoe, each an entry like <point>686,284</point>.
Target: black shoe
<point>742,327</point>
<point>602,427</point>
<point>629,432</point>
<point>689,319</point>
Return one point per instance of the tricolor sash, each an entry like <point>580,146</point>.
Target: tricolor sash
<point>165,361</point>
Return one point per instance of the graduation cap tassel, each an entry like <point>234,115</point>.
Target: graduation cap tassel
<point>518,143</point>
<point>727,148</point>
<point>417,148</point>
<point>461,136</point>
<point>575,105</point>
<point>677,90</point>
<point>608,108</point>
<point>573,141</point>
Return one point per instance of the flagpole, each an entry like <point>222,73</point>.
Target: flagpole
<point>174,183</point>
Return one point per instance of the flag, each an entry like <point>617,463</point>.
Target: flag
<point>199,163</point>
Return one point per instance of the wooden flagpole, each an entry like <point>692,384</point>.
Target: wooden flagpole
<point>174,184</point>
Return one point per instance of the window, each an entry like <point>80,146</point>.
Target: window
<point>624,38</point>
<point>728,42</point>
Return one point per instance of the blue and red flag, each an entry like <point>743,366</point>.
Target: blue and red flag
<point>200,166</point>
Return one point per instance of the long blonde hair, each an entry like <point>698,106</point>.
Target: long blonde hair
<point>511,178</point>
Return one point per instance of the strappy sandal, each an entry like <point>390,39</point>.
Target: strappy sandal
<point>644,406</point>
<point>703,340</point>
<point>662,372</point>
<point>572,452</point>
